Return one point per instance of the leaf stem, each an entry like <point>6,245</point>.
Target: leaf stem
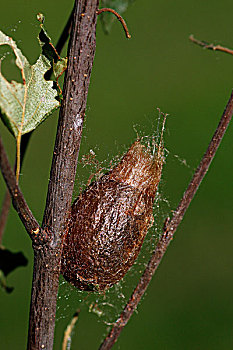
<point>7,199</point>
<point>18,142</point>
<point>19,136</point>
<point>170,227</point>
<point>18,200</point>
<point>119,17</point>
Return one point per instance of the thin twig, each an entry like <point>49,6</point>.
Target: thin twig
<point>169,229</point>
<point>64,35</point>
<point>208,46</point>
<point>68,332</point>
<point>119,17</point>
<point>18,200</point>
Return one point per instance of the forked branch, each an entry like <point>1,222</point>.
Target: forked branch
<point>169,229</point>
<point>19,203</point>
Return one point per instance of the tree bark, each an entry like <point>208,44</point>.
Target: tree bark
<point>47,257</point>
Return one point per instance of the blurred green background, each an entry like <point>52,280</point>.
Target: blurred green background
<point>189,303</point>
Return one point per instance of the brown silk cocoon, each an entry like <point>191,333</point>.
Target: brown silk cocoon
<point>110,220</point>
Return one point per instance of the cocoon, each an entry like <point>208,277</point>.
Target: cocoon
<point>110,220</point>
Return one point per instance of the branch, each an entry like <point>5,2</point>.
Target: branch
<point>18,200</point>
<point>4,213</point>
<point>47,259</point>
<point>208,46</point>
<point>169,229</point>
<point>65,34</point>
<point>26,137</point>
<point>72,113</point>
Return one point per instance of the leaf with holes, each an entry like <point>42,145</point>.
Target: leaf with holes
<point>118,5</point>
<point>25,105</point>
<point>58,64</point>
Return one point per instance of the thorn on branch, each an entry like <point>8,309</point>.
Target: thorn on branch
<point>208,46</point>
<point>119,17</point>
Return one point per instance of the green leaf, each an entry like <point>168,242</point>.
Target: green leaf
<point>25,105</point>
<point>119,6</point>
<point>58,63</point>
<point>59,67</point>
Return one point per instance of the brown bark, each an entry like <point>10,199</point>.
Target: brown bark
<point>47,257</point>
